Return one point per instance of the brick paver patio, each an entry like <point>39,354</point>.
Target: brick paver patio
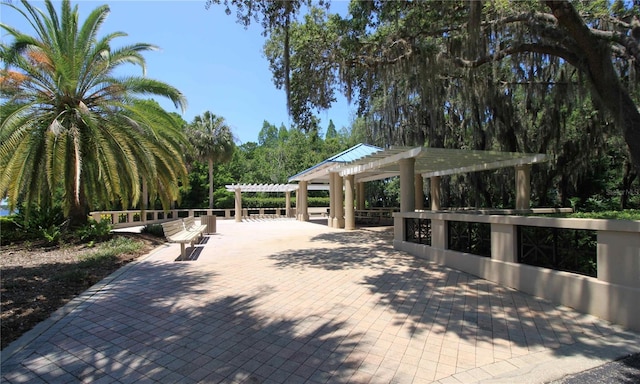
<point>285,301</point>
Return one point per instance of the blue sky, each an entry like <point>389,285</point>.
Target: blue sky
<point>215,62</point>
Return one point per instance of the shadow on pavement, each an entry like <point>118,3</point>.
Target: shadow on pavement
<point>141,329</point>
<point>437,300</point>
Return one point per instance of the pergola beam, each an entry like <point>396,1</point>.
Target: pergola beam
<point>376,176</point>
<point>276,188</point>
<point>377,161</point>
<point>489,165</point>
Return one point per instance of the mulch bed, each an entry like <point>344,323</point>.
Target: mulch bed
<point>36,280</point>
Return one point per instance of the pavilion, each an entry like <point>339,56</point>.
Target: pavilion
<point>347,172</point>
<point>344,175</point>
<point>318,174</point>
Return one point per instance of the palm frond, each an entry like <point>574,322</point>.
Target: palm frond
<point>74,123</point>
<point>146,86</point>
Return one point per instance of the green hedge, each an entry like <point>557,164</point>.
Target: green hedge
<point>319,201</point>
<point>228,202</point>
<point>627,214</point>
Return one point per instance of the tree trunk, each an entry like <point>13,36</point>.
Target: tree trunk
<point>475,21</point>
<point>210,183</point>
<point>76,201</point>
<point>287,63</point>
<point>145,197</point>
<point>627,182</point>
<point>78,214</point>
<point>601,72</point>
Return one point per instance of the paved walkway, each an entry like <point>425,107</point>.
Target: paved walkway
<point>285,301</point>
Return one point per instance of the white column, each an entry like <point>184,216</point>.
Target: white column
<point>504,242</point>
<point>618,260</point>
<point>287,199</point>
<point>338,220</point>
<point>332,197</point>
<point>435,193</point>
<point>523,186</point>
<point>303,213</point>
<point>419,193</point>
<point>349,211</point>
<point>238,205</point>
<point>407,189</point>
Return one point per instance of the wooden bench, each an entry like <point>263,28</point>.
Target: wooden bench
<point>318,211</point>
<point>190,225</point>
<point>374,216</point>
<point>175,232</point>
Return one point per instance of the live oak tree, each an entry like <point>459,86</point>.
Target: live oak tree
<point>70,123</point>
<point>556,77</point>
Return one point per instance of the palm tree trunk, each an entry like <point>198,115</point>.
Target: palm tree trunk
<point>76,199</point>
<point>210,183</point>
<point>78,214</point>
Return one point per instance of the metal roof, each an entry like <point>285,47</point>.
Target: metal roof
<point>433,162</point>
<point>320,171</point>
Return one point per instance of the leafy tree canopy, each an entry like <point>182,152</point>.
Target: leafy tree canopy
<point>555,77</point>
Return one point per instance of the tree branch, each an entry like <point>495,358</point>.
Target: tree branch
<point>552,50</point>
<point>631,45</point>
<point>602,74</point>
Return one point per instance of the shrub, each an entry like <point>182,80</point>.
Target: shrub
<point>40,223</point>
<point>224,199</point>
<point>51,234</point>
<point>39,217</point>
<point>95,231</point>
<point>11,232</point>
<point>627,214</point>
<point>153,229</point>
<point>318,201</point>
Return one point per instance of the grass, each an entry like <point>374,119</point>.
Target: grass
<point>115,247</point>
<point>105,254</point>
<point>37,279</point>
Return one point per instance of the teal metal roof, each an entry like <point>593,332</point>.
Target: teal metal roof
<point>320,171</point>
<point>354,153</point>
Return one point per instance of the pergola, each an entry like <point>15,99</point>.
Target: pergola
<point>412,165</point>
<point>324,172</point>
<point>273,188</point>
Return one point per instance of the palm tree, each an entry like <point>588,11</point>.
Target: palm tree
<point>212,142</point>
<point>69,123</point>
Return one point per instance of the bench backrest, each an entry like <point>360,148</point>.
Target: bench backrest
<point>170,228</point>
<point>189,222</point>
